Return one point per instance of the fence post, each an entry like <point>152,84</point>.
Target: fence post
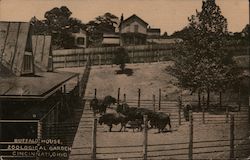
<point>93,149</point>
<point>78,83</point>
<point>78,59</point>
<point>158,56</point>
<point>145,137</point>
<point>132,57</point>
<point>203,114</point>
<point>154,102</point>
<point>249,111</point>
<point>124,97</point>
<point>159,99</point>
<point>95,93</point>
<point>231,136</point>
<point>190,153</point>
<point>65,61</point>
<point>118,96</point>
<point>99,62</point>
<point>179,108</point>
<point>139,97</point>
<point>239,99</point>
<point>39,136</point>
<point>227,114</point>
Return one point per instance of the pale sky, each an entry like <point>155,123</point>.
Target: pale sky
<point>169,15</point>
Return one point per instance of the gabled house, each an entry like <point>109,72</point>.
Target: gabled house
<point>133,31</point>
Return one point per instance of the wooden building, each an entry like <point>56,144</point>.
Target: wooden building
<point>133,31</point>
<point>80,39</point>
<point>32,101</point>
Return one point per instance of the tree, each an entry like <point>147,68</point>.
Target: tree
<point>201,64</point>
<point>165,35</point>
<point>101,24</point>
<point>59,24</point>
<point>121,58</point>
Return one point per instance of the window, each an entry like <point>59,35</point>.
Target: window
<point>136,28</point>
<point>80,41</point>
<point>27,63</point>
<point>128,28</point>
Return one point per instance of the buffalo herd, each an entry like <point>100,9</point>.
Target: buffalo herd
<point>128,117</point>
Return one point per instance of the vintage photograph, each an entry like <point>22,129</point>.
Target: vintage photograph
<point>124,79</point>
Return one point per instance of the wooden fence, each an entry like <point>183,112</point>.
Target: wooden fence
<point>52,125</point>
<point>183,150</point>
<point>104,55</point>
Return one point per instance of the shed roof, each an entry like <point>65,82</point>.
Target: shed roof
<point>13,43</point>
<point>40,86</point>
<point>41,48</point>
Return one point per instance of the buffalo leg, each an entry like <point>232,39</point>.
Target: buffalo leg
<point>110,128</point>
<point>122,126</point>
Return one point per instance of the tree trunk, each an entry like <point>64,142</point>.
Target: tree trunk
<point>208,98</point>
<point>220,99</point>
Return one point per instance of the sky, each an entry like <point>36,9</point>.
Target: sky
<point>168,15</point>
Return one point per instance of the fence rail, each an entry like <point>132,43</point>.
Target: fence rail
<point>185,150</point>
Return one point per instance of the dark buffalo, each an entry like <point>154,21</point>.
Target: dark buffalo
<point>134,114</point>
<point>100,106</point>
<point>160,120</point>
<point>113,118</point>
<point>135,124</point>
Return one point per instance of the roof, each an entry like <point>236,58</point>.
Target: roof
<point>41,48</point>
<point>133,18</point>
<point>40,86</point>
<point>158,30</point>
<point>13,43</point>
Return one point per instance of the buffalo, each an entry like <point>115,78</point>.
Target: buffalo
<point>113,118</point>
<point>100,106</point>
<point>135,124</point>
<point>160,120</point>
<point>157,120</point>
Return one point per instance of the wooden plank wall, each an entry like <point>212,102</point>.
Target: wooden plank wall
<point>104,56</point>
<point>137,54</point>
<point>41,48</point>
<point>13,38</point>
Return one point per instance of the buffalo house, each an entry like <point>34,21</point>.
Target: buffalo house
<point>33,101</point>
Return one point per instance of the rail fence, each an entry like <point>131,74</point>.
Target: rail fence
<point>226,148</point>
<point>176,108</point>
<point>232,145</point>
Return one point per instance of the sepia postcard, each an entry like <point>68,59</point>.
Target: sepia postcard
<point>124,79</point>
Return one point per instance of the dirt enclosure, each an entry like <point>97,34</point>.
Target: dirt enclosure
<point>210,140</point>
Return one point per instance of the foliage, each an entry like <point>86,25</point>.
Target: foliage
<point>121,57</point>
<point>60,25</point>
<point>201,63</point>
<point>101,24</point>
